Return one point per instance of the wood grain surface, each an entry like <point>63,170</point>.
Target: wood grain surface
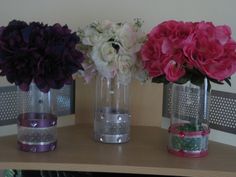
<point>145,154</point>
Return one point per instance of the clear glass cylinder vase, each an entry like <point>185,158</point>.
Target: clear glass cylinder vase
<point>36,120</point>
<point>189,130</point>
<point>112,117</point>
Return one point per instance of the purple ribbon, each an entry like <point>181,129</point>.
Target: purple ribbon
<point>37,120</point>
<point>37,147</point>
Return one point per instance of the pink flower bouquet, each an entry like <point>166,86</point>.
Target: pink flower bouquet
<point>186,51</point>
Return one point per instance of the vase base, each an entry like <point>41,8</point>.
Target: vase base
<point>39,147</point>
<point>112,139</point>
<point>182,153</point>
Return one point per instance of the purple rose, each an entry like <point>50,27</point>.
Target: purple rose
<point>38,53</point>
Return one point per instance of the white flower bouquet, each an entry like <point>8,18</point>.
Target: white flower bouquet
<point>112,50</point>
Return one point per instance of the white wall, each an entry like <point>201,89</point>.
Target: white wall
<point>77,13</point>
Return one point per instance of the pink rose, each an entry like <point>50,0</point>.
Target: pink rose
<point>219,70</point>
<point>189,51</point>
<point>202,50</point>
<point>150,52</point>
<point>165,29</point>
<point>176,48</point>
<point>210,52</point>
<point>223,34</point>
<point>171,34</point>
<point>205,29</point>
<point>222,67</point>
<point>164,44</point>
<point>173,71</point>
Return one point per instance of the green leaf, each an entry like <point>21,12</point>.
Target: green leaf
<point>183,80</point>
<point>197,80</point>
<point>227,80</point>
<point>208,85</point>
<point>160,79</point>
<point>216,81</point>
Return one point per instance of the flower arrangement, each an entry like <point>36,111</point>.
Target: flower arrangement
<point>38,53</point>
<point>177,51</point>
<point>112,50</point>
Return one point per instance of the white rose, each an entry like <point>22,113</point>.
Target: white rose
<point>91,36</point>
<point>130,38</point>
<point>108,52</point>
<point>125,64</point>
<point>107,24</point>
<point>95,33</point>
<point>104,56</point>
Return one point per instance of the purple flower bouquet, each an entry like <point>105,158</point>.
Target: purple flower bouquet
<point>40,53</point>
